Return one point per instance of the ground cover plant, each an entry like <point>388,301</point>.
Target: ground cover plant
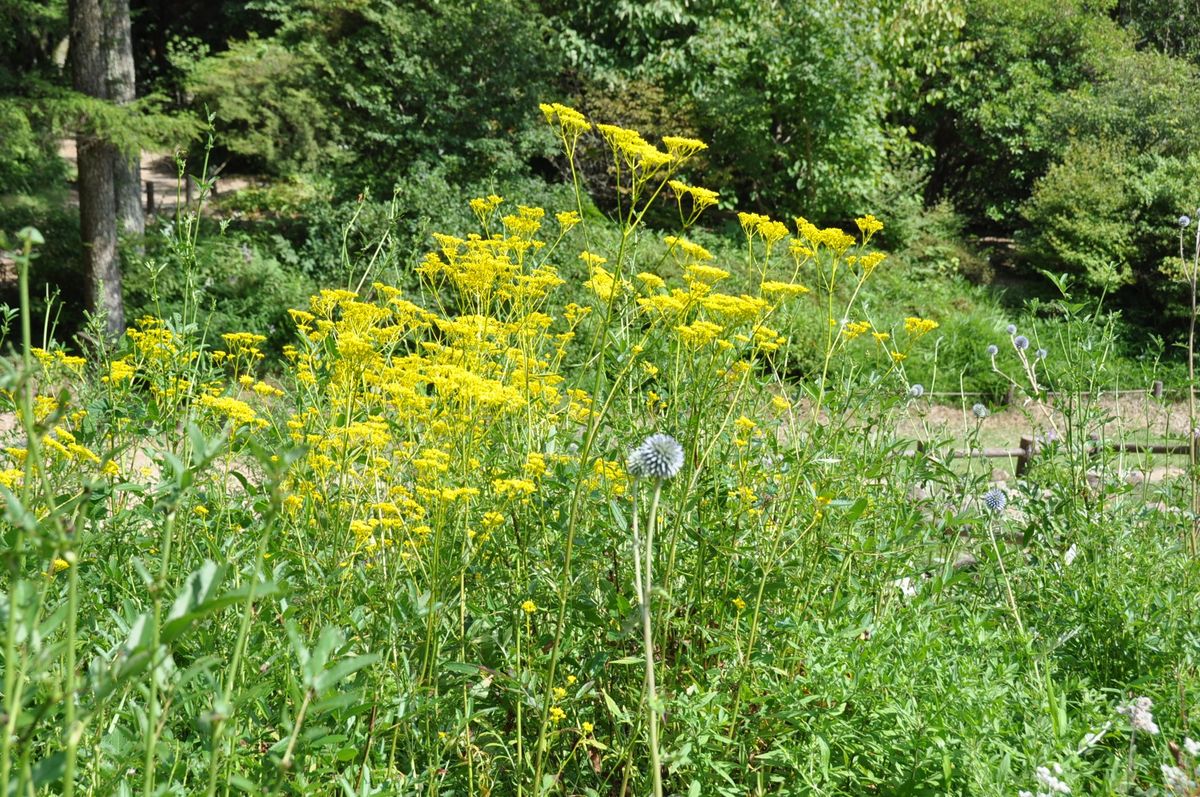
<point>501,534</point>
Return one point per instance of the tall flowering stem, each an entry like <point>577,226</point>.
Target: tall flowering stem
<point>1191,271</point>
<point>659,457</point>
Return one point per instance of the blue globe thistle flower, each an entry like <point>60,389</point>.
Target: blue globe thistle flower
<point>980,411</point>
<point>660,456</point>
<point>1011,329</point>
<point>1042,354</point>
<point>1184,221</point>
<point>993,350</point>
<point>1021,342</point>
<point>916,391</point>
<point>995,499</point>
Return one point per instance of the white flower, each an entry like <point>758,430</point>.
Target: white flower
<point>659,457</point>
<point>906,586</point>
<point>1176,780</point>
<point>1138,712</point>
<point>1070,555</point>
<point>1192,747</point>
<point>1051,782</point>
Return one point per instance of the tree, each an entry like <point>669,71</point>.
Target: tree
<point>122,89</point>
<point>97,194</point>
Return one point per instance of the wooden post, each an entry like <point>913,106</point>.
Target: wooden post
<point>1010,396</point>
<point>149,197</point>
<point>1156,389</point>
<point>1028,449</point>
<point>187,181</point>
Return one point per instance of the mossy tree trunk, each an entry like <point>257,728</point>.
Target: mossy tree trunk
<point>122,89</point>
<point>97,194</point>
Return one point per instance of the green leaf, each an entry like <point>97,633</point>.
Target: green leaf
<point>342,670</point>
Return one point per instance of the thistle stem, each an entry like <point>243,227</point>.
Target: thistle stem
<point>648,639</point>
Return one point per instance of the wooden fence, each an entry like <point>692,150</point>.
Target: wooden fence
<point>1156,390</point>
<point>1027,449</point>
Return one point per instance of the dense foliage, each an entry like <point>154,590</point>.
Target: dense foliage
<point>604,482</point>
<point>504,532</point>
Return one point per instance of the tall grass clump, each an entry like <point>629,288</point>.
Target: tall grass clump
<point>569,519</point>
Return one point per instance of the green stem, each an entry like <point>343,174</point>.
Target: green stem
<point>12,708</point>
<point>152,707</point>
<point>291,745</point>
<point>648,643</point>
<point>73,732</point>
<point>235,664</point>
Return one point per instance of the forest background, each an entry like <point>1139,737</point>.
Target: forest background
<point>998,141</point>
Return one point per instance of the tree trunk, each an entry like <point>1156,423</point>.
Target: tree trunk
<point>97,199</point>
<point>122,89</point>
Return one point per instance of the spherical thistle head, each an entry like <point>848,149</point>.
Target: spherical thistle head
<point>1021,342</point>
<point>1042,354</point>
<point>1185,222</point>
<point>1011,329</point>
<point>980,411</point>
<point>658,457</point>
<point>995,499</point>
<point>916,391</point>
<point>993,350</point>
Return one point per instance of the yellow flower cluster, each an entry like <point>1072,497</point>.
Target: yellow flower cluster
<point>691,251</point>
<point>701,197</point>
<point>919,326</point>
<point>568,119</point>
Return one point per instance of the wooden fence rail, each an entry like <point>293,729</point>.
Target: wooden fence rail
<point>1156,390</point>
<point>1028,449</point>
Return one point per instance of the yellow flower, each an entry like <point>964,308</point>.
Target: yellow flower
<point>652,282</point>
<point>868,225</point>
<point>869,262</point>
<point>784,290</point>
<point>119,371</point>
<point>739,604</point>
<point>855,328</point>
<point>587,727</point>
<point>698,334</point>
<point>529,607</point>
<point>734,309</point>
<point>514,487</point>
<point>836,240</point>
<point>59,565</point>
<point>567,219</point>
<point>706,275</point>
<point>569,120</point>
<point>701,197</point>
<point>919,326</point>
<point>681,147</point>
<point>557,714</point>
<point>691,251</point>
<point>560,693</point>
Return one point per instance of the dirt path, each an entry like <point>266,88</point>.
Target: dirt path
<point>1131,417</point>
<point>160,171</point>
